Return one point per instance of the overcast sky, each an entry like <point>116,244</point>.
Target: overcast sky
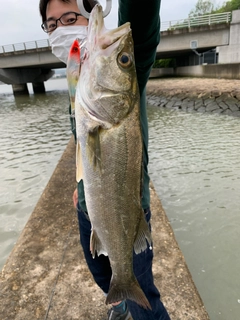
<point>20,19</point>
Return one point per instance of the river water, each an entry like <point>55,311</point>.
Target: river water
<point>34,132</point>
<point>194,164</point>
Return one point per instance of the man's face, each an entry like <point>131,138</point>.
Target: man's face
<point>56,8</point>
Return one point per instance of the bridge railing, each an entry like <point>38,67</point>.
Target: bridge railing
<point>209,19</point>
<point>24,46</point>
<point>196,21</point>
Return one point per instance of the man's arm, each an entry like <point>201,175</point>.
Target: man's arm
<point>145,23</point>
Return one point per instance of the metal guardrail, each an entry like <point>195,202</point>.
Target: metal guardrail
<point>24,46</point>
<point>196,21</point>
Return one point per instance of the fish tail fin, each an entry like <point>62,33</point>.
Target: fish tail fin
<point>132,291</point>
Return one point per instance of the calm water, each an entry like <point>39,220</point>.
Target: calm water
<point>195,167</point>
<point>194,163</point>
<point>34,131</point>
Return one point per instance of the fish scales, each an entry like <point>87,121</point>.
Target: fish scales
<point>109,153</point>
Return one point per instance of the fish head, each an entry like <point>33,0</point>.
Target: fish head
<point>108,87</point>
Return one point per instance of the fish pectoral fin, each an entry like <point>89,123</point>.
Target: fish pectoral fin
<point>143,237</point>
<point>94,147</point>
<point>96,245</point>
<point>79,170</point>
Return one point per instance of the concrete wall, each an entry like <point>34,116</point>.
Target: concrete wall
<point>231,53</point>
<point>206,37</point>
<point>225,71</point>
<point>32,58</point>
<point>161,72</point>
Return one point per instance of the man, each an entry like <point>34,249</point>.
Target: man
<point>64,23</point>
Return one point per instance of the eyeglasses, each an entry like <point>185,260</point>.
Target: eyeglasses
<point>66,19</point>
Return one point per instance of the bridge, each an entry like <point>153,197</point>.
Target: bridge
<point>189,41</point>
<point>29,62</point>
<point>202,33</point>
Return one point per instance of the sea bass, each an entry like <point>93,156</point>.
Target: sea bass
<point>109,153</point>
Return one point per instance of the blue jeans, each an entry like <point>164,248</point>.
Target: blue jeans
<point>142,266</point>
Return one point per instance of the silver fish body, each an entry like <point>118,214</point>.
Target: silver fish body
<point>109,153</point>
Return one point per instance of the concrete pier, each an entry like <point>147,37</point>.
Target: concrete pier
<point>38,87</point>
<point>46,277</point>
<point>19,89</point>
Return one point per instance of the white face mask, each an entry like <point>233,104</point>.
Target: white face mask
<point>62,38</point>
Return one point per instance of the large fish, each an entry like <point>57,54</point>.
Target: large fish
<point>109,153</point>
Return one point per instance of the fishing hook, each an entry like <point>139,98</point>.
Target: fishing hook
<point>87,14</point>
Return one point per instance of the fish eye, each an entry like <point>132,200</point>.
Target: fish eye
<point>124,59</point>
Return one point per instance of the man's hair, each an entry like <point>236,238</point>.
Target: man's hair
<point>88,4</point>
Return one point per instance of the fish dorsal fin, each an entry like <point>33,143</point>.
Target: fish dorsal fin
<point>79,170</point>
<point>143,237</point>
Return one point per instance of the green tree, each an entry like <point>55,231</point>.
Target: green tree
<point>229,6</point>
<point>164,63</point>
<point>202,7</point>
<point>207,6</point>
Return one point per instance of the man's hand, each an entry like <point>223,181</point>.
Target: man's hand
<point>75,198</point>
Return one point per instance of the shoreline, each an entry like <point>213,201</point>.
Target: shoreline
<point>46,276</point>
<point>202,95</point>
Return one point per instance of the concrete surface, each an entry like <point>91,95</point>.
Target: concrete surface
<point>45,276</point>
<point>190,87</point>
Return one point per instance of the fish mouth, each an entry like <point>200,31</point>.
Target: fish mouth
<point>97,32</point>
